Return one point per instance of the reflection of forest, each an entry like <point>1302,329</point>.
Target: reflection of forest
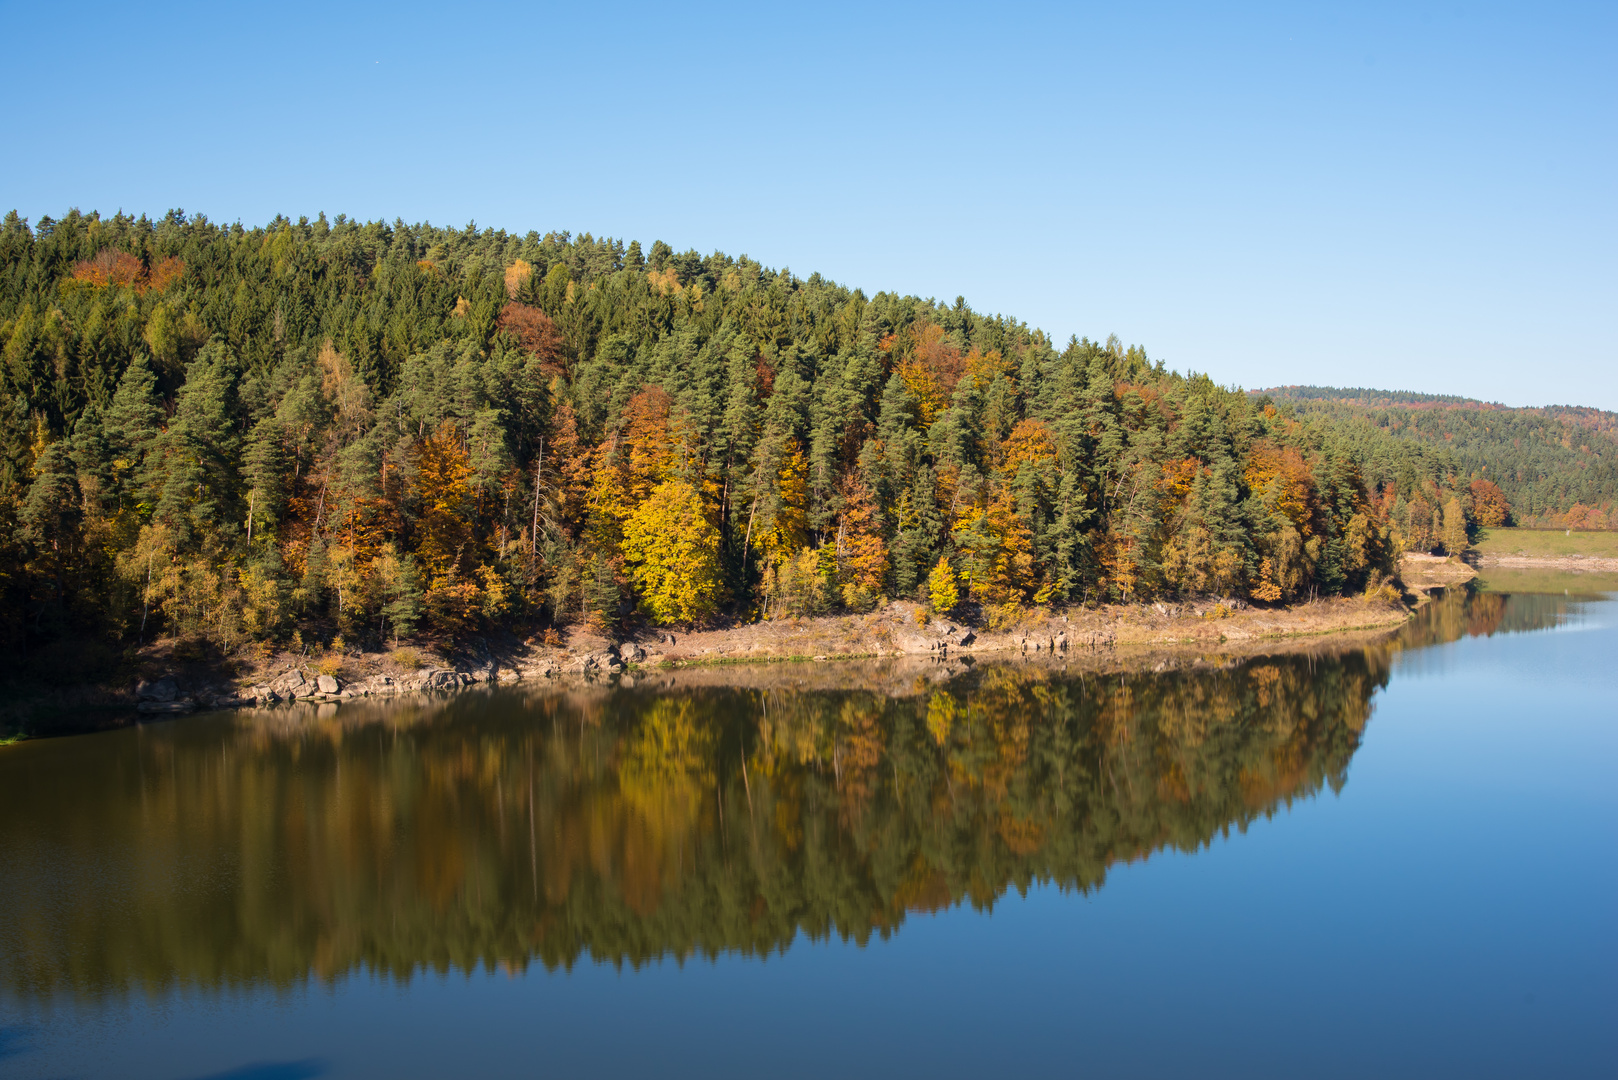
<point>1463,612</point>
<point>632,825</point>
<point>627,825</point>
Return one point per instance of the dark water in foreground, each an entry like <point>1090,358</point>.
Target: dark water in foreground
<point>1218,872</point>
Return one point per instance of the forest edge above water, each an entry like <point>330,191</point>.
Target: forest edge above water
<point>898,651</point>
<point>339,441</point>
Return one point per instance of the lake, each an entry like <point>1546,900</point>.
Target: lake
<point>1398,860</point>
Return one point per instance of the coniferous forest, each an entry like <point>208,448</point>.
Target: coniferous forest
<point>377,431</point>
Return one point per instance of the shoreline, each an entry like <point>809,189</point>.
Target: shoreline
<point>168,683</point>
<point>1578,564</point>
<point>168,680</point>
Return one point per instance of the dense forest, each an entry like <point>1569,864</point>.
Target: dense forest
<point>1557,465</point>
<point>340,429</point>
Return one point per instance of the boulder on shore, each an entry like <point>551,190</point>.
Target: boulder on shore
<point>288,683</point>
<point>162,690</point>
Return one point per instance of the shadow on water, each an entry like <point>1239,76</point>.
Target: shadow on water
<point>272,1070</point>
<point>627,825</point>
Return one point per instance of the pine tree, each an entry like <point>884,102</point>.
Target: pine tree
<point>131,427</point>
<point>199,452</point>
<point>264,468</point>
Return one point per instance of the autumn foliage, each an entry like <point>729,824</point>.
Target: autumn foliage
<point>1489,506</point>
<point>672,550</point>
<point>536,334</point>
<point>378,430</point>
<point>118,268</point>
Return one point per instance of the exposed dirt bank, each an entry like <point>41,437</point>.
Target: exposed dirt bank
<point>1575,563</point>
<point>1423,572</point>
<point>902,629</point>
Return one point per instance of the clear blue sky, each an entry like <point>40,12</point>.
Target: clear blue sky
<point>1409,196</point>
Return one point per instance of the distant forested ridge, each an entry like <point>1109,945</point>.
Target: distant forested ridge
<point>1556,465</point>
<point>323,428</point>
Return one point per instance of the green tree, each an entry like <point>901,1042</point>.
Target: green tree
<point>1454,528</point>
<point>399,583</point>
<point>132,424</point>
<point>200,450</point>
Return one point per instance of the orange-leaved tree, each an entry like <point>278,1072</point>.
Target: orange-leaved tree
<point>445,505</point>
<point>536,333</point>
<point>1283,479</point>
<point>165,272</point>
<point>1489,506</point>
<point>862,556</point>
<point>930,367</point>
<point>111,267</point>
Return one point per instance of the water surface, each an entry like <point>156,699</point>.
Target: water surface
<point>1396,860</point>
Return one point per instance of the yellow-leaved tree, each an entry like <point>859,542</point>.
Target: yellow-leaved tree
<point>673,554</point>
<point>941,587</point>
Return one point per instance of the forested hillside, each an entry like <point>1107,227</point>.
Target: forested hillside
<point>323,428</point>
<point>1557,465</point>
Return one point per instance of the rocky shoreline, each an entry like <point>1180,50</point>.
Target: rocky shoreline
<point>902,630</point>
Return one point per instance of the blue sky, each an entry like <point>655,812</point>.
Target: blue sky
<point>1409,196</point>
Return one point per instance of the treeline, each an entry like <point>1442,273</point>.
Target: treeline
<point>1557,465</point>
<point>368,430</point>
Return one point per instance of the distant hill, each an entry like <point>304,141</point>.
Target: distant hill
<point>1553,462</point>
<point>1360,395</point>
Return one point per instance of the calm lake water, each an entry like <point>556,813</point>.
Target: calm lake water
<point>1399,861</point>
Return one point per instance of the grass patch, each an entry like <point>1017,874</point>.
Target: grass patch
<point>1512,580</point>
<point>1547,543</point>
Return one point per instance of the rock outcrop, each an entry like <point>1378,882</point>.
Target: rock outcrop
<point>162,697</point>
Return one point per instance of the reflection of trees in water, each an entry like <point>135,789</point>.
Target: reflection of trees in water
<point>627,825</point>
<point>630,825</point>
<point>1465,612</point>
